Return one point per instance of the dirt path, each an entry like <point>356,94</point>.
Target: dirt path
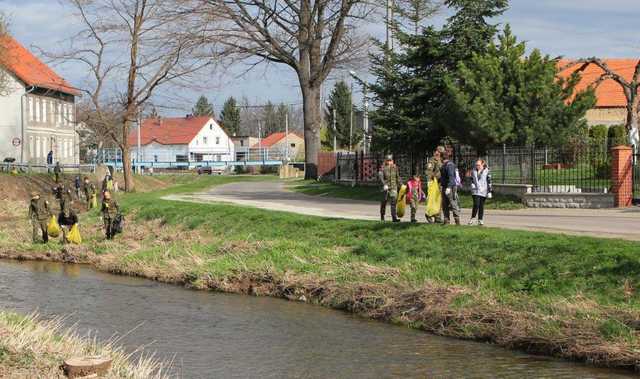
<point>610,223</point>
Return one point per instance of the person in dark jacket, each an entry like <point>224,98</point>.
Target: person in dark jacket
<point>449,185</point>
<point>390,180</point>
<point>39,213</point>
<point>57,171</point>
<point>89,192</point>
<point>110,210</point>
<point>78,184</point>
<point>67,217</point>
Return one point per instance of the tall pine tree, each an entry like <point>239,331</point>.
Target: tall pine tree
<point>202,107</point>
<point>504,96</point>
<point>340,100</point>
<point>270,121</point>
<point>230,116</point>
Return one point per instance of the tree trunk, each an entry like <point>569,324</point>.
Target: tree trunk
<point>311,106</point>
<point>126,157</point>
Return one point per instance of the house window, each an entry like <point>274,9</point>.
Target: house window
<point>241,142</point>
<point>217,140</point>
<point>210,126</point>
<point>204,140</point>
<point>31,152</point>
<point>32,109</point>
<point>182,158</point>
<point>293,145</point>
<point>37,109</point>
<point>38,147</point>
<point>155,158</point>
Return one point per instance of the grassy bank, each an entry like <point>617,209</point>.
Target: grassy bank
<point>34,348</point>
<point>572,297</point>
<point>372,193</point>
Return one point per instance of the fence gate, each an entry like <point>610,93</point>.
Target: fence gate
<point>636,176</point>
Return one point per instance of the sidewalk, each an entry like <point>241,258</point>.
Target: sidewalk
<point>609,223</point>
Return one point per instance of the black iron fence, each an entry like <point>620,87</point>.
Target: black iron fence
<point>569,169</point>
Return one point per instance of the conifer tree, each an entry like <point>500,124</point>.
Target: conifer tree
<point>203,107</point>
<point>230,116</point>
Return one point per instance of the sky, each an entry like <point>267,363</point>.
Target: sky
<point>571,28</point>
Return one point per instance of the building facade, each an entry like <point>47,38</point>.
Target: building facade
<point>188,139</point>
<point>290,146</point>
<point>37,110</point>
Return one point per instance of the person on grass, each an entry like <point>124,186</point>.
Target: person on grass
<point>414,195</point>
<point>89,192</point>
<point>110,210</point>
<point>432,171</point>
<point>390,179</point>
<point>39,214</point>
<point>449,182</point>
<point>480,190</point>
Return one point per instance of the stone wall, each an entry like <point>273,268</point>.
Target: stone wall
<point>569,200</point>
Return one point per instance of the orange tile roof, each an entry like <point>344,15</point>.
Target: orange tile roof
<point>168,131</point>
<point>272,139</point>
<point>31,70</point>
<point>609,93</point>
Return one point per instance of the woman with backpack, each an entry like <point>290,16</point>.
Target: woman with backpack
<point>480,190</point>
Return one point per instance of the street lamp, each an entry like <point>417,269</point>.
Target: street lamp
<point>335,130</point>
<point>365,118</point>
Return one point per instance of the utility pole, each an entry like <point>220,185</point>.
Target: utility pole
<point>286,136</point>
<point>260,140</point>
<point>365,120</point>
<point>351,119</point>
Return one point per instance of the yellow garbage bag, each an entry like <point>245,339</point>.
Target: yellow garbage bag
<point>94,201</point>
<point>53,229</point>
<point>434,198</point>
<point>110,185</point>
<point>74,235</point>
<point>402,201</point>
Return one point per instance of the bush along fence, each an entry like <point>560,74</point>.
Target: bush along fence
<point>589,176</point>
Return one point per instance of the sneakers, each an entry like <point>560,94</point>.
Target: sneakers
<point>472,221</point>
<point>480,222</point>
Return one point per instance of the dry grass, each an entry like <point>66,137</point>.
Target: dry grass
<point>35,348</point>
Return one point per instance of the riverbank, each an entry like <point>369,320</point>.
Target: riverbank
<point>558,295</point>
<point>35,348</point>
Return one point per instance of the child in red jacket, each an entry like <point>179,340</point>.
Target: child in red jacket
<point>414,195</point>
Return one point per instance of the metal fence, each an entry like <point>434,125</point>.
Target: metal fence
<point>570,169</point>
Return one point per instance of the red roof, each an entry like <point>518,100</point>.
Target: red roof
<point>272,139</point>
<point>609,93</point>
<point>168,131</point>
<point>31,70</point>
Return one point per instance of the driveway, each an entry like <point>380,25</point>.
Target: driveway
<point>609,223</point>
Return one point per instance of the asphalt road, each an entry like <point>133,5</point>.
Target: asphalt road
<point>609,223</point>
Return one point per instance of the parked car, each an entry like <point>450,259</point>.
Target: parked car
<point>208,170</point>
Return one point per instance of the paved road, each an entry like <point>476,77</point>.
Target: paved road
<point>611,223</point>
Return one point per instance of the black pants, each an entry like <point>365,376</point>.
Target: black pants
<point>478,207</point>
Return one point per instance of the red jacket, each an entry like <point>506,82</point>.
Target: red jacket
<point>414,185</point>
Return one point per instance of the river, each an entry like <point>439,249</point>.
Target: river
<point>211,335</point>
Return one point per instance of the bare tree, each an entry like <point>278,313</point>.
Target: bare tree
<point>135,47</point>
<point>4,75</point>
<point>629,88</point>
<point>313,37</point>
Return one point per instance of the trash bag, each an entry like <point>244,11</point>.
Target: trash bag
<point>74,235</point>
<point>94,201</point>
<point>110,185</point>
<point>434,198</point>
<point>402,201</point>
<point>53,228</point>
<point>117,224</point>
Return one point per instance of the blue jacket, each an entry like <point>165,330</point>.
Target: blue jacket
<point>448,175</point>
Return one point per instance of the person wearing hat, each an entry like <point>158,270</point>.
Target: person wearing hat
<point>67,217</point>
<point>89,192</point>
<point>390,179</point>
<point>39,213</point>
<point>432,171</point>
<point>110,210</point>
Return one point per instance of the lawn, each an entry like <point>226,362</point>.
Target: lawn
<point>561,295</point>
<point>373,193</point>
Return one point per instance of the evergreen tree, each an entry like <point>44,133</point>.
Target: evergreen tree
<point>411,92</point>
<point>504,96</point>
<point>414,12</point>
<point>203,107</point>
<point>230,116</point>
<point>340,100</point>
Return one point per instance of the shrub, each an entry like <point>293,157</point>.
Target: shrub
<point>598,135</point>
<point>618,136</point>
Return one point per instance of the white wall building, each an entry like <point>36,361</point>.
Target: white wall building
<point>37,112</point>
<point>189,139</point>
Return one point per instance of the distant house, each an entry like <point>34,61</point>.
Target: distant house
<point>188,139</point>
<point>37,114</point>
<point>611,103</point>
<point>243,145</point>
<point>291,144</point>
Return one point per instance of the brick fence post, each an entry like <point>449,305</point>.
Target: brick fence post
<point>621,175</point>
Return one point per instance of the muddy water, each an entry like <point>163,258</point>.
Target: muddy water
<point>210,335</point>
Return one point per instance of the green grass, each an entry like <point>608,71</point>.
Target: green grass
<point>372,193</point>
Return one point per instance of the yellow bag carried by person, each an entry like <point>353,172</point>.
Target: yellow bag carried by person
<point>74,235</point>
<point>402,201</point>
<point>434,198</point>
<point>94,201</point>
<point>53,229</point>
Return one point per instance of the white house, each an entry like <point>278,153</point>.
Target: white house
<point>188,139</point>
<point>37,110</point>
